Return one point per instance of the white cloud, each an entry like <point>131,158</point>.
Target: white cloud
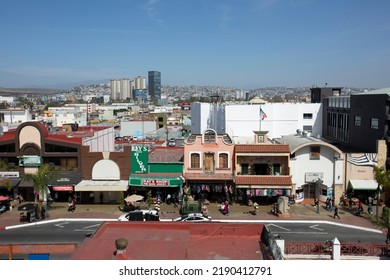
<point>151,9</point>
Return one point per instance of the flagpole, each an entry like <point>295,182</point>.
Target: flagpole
<point>260,115</point>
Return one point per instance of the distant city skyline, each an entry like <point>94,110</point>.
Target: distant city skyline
<point>243,44</point>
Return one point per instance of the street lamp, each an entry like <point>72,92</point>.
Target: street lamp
<point>318,189</point>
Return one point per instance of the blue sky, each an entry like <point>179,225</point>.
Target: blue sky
<point>233,43</point>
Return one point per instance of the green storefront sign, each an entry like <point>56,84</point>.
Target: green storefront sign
<point>139,159</point>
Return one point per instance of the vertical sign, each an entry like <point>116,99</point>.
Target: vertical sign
<point>139,159</point>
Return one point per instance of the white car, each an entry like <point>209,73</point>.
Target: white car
<point>193,217</point>
<point>138,215</point>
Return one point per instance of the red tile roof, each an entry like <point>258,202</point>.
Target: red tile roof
<point>166,154</point>
<point>191,241</point>
<point>263,180</point>
<point>262,148</point>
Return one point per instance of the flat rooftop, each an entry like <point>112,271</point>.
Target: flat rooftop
<point>174,241</point>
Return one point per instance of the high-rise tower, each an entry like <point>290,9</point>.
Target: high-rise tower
<point>154,85</point>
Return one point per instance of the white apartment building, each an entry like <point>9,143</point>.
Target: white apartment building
<point>15,115</point>
<point>139,82</point>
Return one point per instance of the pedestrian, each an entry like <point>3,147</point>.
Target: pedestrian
<point>43,212</point>
<point>92,197</point>
<point>336,212</point>
<point>225,209</point>
<point>388,235</point>
<point>369,209</point>
<point>101,198</point>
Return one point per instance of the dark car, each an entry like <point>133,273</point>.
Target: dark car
<point>4,206</point>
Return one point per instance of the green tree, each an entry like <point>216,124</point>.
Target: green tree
<point>382,176</point>
<point>40,181</point>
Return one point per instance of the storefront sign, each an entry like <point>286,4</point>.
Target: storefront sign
<point>30,161</point>
<point>9,174</point>
<point>312,177</point>
<point>155,182</point>
<point>62,188</point>
<point>139,159</point>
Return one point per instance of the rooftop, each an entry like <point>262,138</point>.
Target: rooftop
<point>191,241</point>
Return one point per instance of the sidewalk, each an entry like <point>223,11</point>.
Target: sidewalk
<point>237,212</point>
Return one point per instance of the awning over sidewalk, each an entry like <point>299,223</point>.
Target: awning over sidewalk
<point>368,185</point>
<point>104,186</point>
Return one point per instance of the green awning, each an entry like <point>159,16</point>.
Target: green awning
<point>148,182</point>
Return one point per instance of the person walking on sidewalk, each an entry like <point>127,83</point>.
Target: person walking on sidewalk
<point>336,212</point>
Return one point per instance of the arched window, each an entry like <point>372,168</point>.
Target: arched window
<point>209,136</point>
<point>195,160</point>
<point>223,160</point>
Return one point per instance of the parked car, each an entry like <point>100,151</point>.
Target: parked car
<point>172,143</point>
<point>140,215</point>
<point>4,206</point>
<point>193,217</point>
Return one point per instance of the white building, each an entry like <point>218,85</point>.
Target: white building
<point>101,140</point>
<point>15,115</point>
<point>312,160</point>
<point>139,129</point>
<point>139,82</point>
<point>240,120</point>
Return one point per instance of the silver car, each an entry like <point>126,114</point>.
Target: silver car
<point>193,217</point>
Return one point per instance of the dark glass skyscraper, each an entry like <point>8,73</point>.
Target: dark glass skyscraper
<point>154,85</point>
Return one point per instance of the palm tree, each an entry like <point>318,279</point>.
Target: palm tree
<point>382,176</point>
<point>40,180</point>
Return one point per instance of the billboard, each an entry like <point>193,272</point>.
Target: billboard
<point>30,161</point>
<point>139,159</point>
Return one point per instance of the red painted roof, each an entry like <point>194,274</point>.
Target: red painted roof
<point>262,148</point>
<point>264,180</point>
<point>174,241</point>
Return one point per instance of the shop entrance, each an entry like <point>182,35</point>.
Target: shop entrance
<point>309,191</point>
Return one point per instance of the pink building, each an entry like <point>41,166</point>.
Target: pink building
<point>208,166</point>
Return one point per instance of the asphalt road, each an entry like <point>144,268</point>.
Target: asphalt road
<point>77,231</point>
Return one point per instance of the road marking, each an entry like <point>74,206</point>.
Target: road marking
<point>91,226</point>
<point>300,232</point>
<point>61,224</point>
<point>315,227</point>
<point>88,228</point>
<point>286,229</point>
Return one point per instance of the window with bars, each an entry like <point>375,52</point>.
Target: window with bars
<point>195,160</point>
